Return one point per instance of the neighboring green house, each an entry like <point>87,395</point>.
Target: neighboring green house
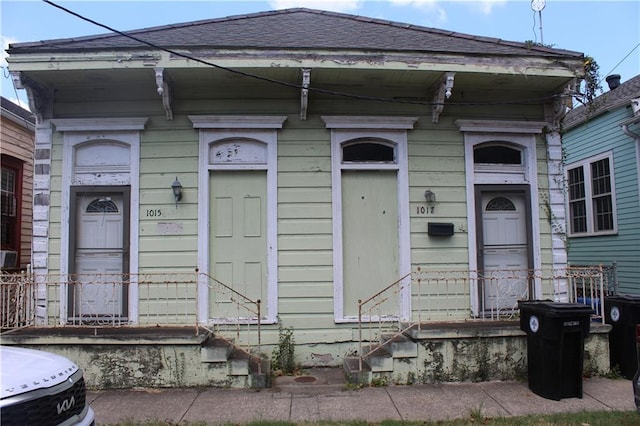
<point>601,142</point>
<point>317,158</point>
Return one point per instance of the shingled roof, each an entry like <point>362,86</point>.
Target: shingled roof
<point>615,98</point>
<point>16,110</point>
<point>297,28</point>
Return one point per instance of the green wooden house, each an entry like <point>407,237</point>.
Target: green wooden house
<point>295,168</point>
<point>602,146</point>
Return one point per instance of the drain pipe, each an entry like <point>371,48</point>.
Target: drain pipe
<point>625,128</point>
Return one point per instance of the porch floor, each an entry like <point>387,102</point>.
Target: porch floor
<point>122,334</point>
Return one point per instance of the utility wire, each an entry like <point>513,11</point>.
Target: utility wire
<point>293,85</point>
<point>622,60</point>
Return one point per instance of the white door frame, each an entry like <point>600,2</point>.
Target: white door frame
<point>520,134</point>
<point>75,223</point>
<point>393,130</point>
<point>257,129</point>
<point>85,131</point>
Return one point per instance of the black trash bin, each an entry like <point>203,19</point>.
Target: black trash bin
<point>555,346</point>
<point>623,313</point>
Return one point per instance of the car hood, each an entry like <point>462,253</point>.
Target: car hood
<point>25,370</point>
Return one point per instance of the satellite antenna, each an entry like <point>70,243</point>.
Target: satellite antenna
<point>537,6</point>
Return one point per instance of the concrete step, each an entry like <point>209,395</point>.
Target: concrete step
<point>354,374</point>
<point>399,345</point>
<point>378,358</point>
<point>215,350</point>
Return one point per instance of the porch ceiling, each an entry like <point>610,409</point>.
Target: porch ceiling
<point>212,83</point>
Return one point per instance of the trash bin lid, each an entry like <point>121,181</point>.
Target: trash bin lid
<point>624,298</point>
<point>550,308</point>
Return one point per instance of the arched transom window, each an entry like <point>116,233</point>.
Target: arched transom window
<point>500,204</point>
<point>496,153</point>
<point>368,151</point>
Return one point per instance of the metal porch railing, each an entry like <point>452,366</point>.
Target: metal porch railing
<point>236,316</point>
<point>107,300</point>
<point>446,296</point>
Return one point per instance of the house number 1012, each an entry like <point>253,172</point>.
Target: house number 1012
<point>424,210</point>
<point>154,212</point>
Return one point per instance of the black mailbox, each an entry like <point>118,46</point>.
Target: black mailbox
<point>438,229</point>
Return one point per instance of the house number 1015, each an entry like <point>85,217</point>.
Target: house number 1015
<point>423,210</point>
<point>154,212</point>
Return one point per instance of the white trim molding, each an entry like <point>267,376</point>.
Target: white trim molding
<point>99,124</point>
<point>394,131</point>
<point>589,196</point>
<point>237,121</point>
<point>497,126</point>
<point>523,136</point>
<point>258,130</point>
<point>82,132</point>
<point>368,122</point>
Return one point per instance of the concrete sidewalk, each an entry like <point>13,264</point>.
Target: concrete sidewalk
<point>316,398</point>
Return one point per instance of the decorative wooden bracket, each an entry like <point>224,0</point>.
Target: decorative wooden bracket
<point>304,93</point>
<point>561,105</point>
<point>443,89</point>
<point>40,97</point>
<point>165,90</point>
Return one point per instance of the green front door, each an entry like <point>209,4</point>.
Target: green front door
<point>238,238</point>
<point>370,238</point>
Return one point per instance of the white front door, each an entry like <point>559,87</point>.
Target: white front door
<point>504,250</point>
<point>99,257</point>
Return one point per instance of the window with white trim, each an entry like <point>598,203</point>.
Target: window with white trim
<point>591,197</point>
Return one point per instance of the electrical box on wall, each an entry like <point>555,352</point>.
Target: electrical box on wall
<point>437,229</point>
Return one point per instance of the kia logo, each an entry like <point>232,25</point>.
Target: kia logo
<point>66,405</point>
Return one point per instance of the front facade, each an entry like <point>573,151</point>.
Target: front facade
<point>307,170</point>
<point>602,145</point>
<point>16,133</point>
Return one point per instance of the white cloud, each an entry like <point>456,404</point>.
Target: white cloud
<point>333,5</point>
<point>436,14</point>
<point>5,44</point>
<point>486,6</point>
<point>8,90</point>
<point>437,7</point>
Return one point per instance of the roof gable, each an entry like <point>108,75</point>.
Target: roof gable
<point>297,28</point>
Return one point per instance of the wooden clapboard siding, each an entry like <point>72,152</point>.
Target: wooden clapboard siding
<point>436,162</point>
<point>18,143</point>
<point>168,233</point>
<point>304,226</point>
<point>599,135</point>
<point>305,243</point>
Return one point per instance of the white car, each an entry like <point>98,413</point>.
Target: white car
<point>41,388</point>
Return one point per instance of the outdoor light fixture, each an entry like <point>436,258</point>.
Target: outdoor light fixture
<point>430,196</point>
<point>176,187</point>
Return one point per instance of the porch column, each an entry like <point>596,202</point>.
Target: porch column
<point>41,207</point>
<point>556,209</point>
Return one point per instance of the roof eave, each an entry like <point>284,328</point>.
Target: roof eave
<point>569,67</point>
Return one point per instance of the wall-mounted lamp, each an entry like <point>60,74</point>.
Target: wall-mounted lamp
<point>430,196</point>
<point>176,187</point>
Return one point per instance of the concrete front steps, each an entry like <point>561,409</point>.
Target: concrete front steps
<point>393,358</point>
<point>244,369</point>
<point>459,351</point>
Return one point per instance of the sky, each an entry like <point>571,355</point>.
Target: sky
<point>607,30</point>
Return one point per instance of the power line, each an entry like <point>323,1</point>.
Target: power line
<point>622,60</point>
<point>293,85</point>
